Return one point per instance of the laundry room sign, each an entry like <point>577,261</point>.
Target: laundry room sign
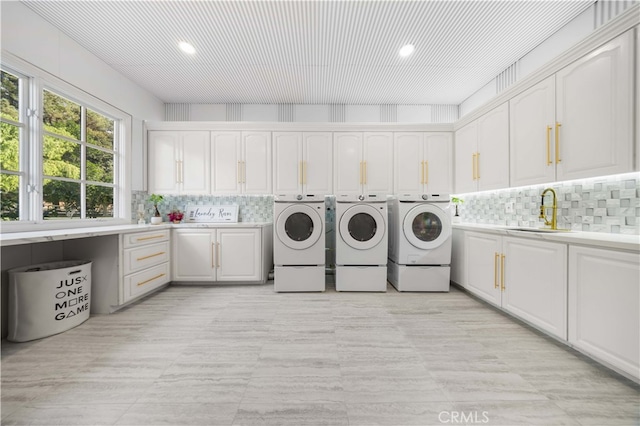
<point>211,213</point>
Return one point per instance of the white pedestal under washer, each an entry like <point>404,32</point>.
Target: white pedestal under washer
<point>299,243</point>
<point>361,243</point>
<point>420,236</point>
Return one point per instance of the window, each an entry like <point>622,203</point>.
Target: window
<point>13,130</point>
<point>78,159</point>
<point>62,154</point>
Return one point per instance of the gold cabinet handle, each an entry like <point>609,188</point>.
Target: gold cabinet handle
<point>473,165</point>
<point>301,171</point>
<point>365,173</point>
<point>150,237</point>
<point>150,279</point>
<point>304,172</point>
<point>495,270</point>
<point>477,165</point>
<point>150,256</point>
<point>558,159</point>
<point>502,272</point>
<point>426,173</point>
<point>549,145</point>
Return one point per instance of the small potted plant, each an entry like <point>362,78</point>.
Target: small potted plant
<point>456,202</point>
<point>176,216</point>
<point>156,199</point>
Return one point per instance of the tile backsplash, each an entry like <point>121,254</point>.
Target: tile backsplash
<point>251,208</point>
<point>608,204</point>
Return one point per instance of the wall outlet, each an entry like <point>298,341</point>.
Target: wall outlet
<point>508,207</point>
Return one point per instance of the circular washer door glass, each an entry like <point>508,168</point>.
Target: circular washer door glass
<point>299,226</point>
<point>426,226</point>
<point>362,227</point>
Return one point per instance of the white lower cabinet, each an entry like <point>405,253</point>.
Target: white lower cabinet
<point>145,262</point>
<point>525,277</point>
<point>604,306</point>
<point>218,255</point>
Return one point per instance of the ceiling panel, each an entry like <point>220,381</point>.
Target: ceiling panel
<point>311,52</point>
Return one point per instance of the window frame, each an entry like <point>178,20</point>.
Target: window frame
<point>31,161</point>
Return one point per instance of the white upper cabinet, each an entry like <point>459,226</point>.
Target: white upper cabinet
<point>241,162</point>
<point>363,163</point>
<point>532,139</point>
<point>594,110</point>
<point>422,163</point>
<point>302,163</point>
<point>482,152</point>
<point>179,162</point>
<point>492,158</point>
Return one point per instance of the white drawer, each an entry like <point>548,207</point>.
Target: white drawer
<point>143,282</point>
<point>136,259</point>
<point>142,238</point>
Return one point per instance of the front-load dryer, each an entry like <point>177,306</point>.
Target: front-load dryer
<point>299,243</point>
<point>361,243</point>
<point>420,236</point>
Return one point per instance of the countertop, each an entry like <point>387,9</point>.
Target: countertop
<point>594,239</point>
<point>16,238</point>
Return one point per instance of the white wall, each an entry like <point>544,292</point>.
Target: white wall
<point>29,37</point>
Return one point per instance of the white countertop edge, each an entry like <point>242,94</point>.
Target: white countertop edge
<point>594,239</point>
<point>17,238</point>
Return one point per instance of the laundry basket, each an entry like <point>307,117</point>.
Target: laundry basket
<point>48,298</point>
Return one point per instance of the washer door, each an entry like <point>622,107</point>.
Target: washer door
<point>299,226</point>
<point>362,227</point>
<point>426,226</point>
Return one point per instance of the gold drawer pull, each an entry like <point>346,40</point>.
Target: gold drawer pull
<point>495,270</point>
<point>150,279</point>
<point>502,272</point>
<point>151,255</point>
<point>149,238</point>
<point>426,173</point>
<point>558,159</point>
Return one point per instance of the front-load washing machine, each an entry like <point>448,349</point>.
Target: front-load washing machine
<point>299,243</point>
<point>420,242</point>
<point>361,243</point>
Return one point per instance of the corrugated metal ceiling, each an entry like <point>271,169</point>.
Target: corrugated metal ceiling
<point>310,52</point>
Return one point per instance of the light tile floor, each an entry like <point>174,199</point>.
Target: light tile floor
<point>244,355</point>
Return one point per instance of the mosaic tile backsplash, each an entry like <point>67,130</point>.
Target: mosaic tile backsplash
<point>609,204</point>
<point>251,208</point>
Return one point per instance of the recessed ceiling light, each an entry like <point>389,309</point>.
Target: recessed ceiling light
<point>407,50</point>
<point>187,48</point>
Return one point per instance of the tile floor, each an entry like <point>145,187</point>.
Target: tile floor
<point>244,355</point>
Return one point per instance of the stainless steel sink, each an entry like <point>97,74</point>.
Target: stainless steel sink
<point>547,230</point>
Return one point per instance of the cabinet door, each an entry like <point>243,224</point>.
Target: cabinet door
<point>193,255</point>
<point>408,159</point>
<point>466,145</point>
<point>287,163</point>
<point>595,111</point>
<point>256,166</point>
<point>239,255</point>
<point>482,257</point>
<point>164,154</point>
<point>347,163</point>
<point>532,118</point>
<point>438,174</point>
<point>493,149</point>
<point>535,283</point>
<point>604,306</point>
<point>195,165</point>
<point>318,163</point>
<point>458,270</point>
<point>378,162</point>
<point>226,153</point>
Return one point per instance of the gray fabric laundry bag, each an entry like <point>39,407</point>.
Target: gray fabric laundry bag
<point>48,298</point>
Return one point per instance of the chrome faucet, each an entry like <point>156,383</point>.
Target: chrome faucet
<point>554,207</point>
